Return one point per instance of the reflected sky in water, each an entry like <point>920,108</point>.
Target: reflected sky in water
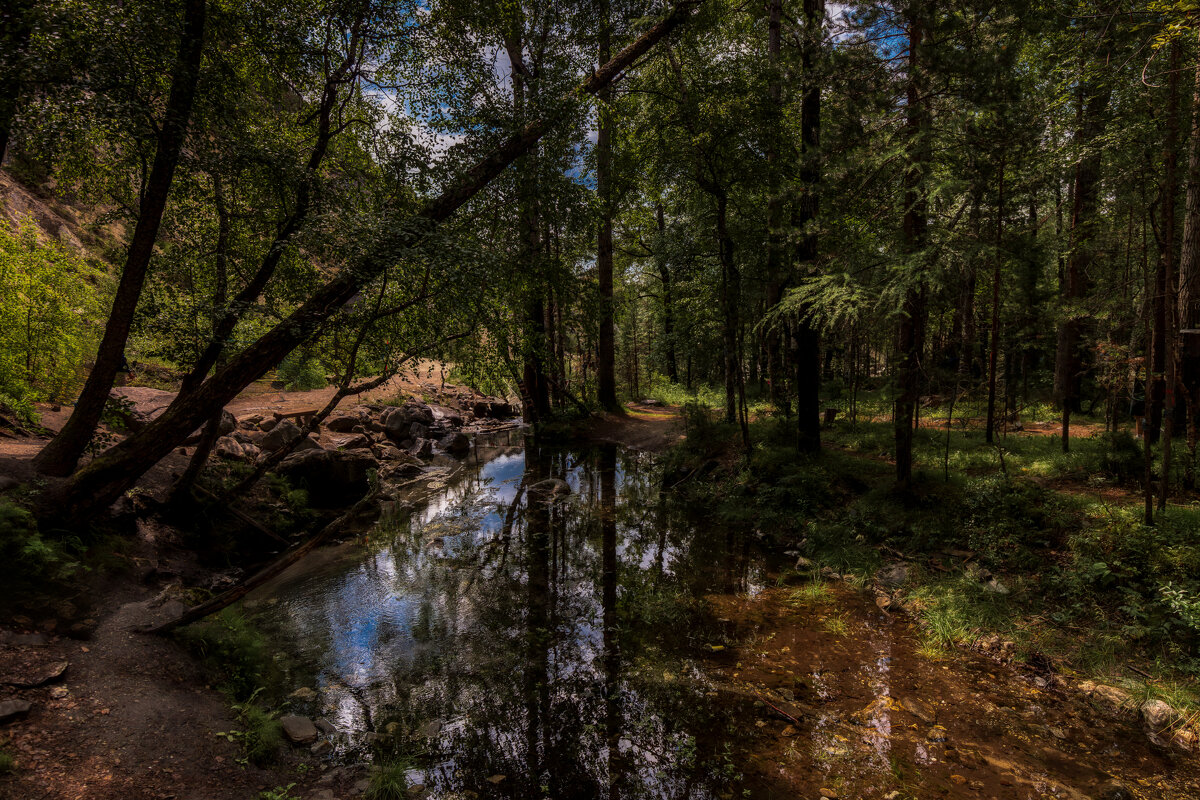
<point>518,646</point>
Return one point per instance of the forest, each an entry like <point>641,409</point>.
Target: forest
<point>599,398</point>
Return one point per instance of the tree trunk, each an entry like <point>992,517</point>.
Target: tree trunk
<point>60,456</point>
<point>731,291</point>
<point>774,222</point>
<point>96,486</point>
<point>1085,193</point>
<point>1189,269</point>
<point>664,274</point>
<point>994,343</point>
<point>1170,324</point>
<point>606,381</point>
<point>910,338</point>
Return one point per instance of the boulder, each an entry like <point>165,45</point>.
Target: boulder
<point>418,430</point>
<point>307,443</point>
<point>395,423</point>
<point>456,444</point>
<point>11,710</point>
<point>447,416</point>
<point>267,424</point>
<point>342,424</point>
<point>280,434</point>
<point>227,426</point>
<point>397,471</point>
<point>355,442</point>
<point>422,448</point>
<point>1159,715</point>
<point>419,412</point>
<point>139,405</point>
<point>332,477</point>
<point>298,730</point>
<point>250,423</point>
<point>229,447</point>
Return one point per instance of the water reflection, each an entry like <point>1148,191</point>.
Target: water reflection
<point>520,640</point>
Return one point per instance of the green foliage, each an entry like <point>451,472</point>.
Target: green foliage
<point>8,762</point>
<point>301,371</point>
<point>278,793</point>
<point>235,654</point>
<point>26,556</point>
<point>261,736</point>
<point>48,319</point>
<point>389,780</point>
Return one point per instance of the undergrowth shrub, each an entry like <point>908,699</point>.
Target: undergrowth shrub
<point>301,371</point>
<point>48,318</point>
<point>27,557</point>
<point>234,653</point>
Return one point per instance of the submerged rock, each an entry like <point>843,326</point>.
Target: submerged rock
<point>297,729</point>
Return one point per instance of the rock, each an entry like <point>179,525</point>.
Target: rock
<point>342,424</point>
<point>304,694</point>
<point>829,573</point>
<point>325,726</point>
<point>285,432</point>
<point>321,747</point>
<point>417,430</point>
<point>307,443</point>
<point>59,692</point>
<point>456,444</point>
<point>361,786</point>
<point>803,563</point>
<point>422,448</point>
<point>653,403</point>
<point>332,478</point>
<point>250,422</point>
<point>1158,715</point>
<point>994,586</point>
<point>228,447</point>
<point>322,794</point>
<point>1114,790</point>
<point>918,708</point>
<point>40,676</point>
<point>139,405</point>
<point>885,602</point>
<point>419,412</point>
<point>828,794</point>
<point>356,442</point>
<point>1185,739</point>
<point>447,416</point>
<point>1110,698</point>
<point>389,452</point>
<point>298,730</point>
<point>549,489</point>
<point>401,469</point>
<point>893,575</point>
<point>8,482</point>
<point>227,426</point>
<point>268,424</point>
<point>12,710</point>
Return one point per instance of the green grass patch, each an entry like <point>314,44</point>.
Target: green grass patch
<point>389,779</point>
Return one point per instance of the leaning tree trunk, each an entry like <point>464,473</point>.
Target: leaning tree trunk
<point>93,488</point>
<point>60,456</point>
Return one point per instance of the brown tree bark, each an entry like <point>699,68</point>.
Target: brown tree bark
<point>910,337</point>
<point>606,380</point>
<point>1189,269</point>
<point>807,339</point>
<point>1170,322</point>
<point>1093,101</point>
<point>775,279</point>
<point>994,338</point>
<point>60,456</point>
<point>96,486</point>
